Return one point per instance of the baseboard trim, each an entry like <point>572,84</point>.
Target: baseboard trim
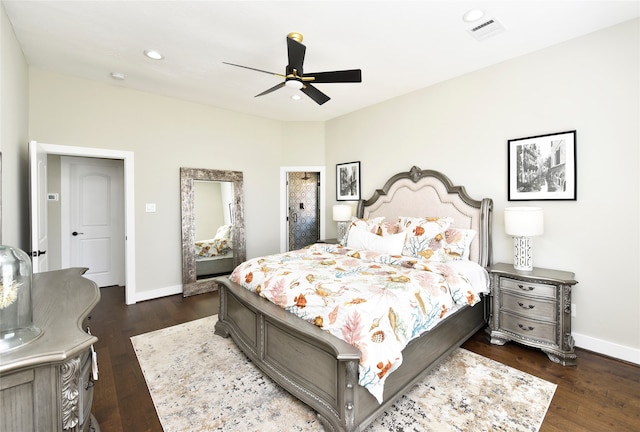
<point>610,349</point>
<point>158,292</point>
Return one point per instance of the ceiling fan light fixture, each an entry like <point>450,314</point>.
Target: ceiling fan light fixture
<point>294,84</point>
<point>473,15</point>
<point>296,80</point>
<point>153,54</point>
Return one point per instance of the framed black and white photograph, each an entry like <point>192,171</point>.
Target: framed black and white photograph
<point>348,181</point>
<point>543,167</point>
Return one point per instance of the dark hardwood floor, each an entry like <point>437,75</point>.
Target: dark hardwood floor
<point>599,394</point>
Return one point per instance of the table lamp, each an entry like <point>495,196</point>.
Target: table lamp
<point>342,215</point>
<point>522,223</point>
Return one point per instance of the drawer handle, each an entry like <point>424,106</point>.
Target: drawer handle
<point>526,328</point>
<point>525,288</point>
<point>526,307</point>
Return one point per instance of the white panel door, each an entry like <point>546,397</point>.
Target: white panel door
<point>38,204</point>
<point>93,218</point>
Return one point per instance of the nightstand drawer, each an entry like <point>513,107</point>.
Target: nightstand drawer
<point>527,306</point>
<point>528,328</point>
<point>536,289</point>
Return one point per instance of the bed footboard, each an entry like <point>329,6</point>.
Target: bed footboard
<point>322,370</point>
<point>315,367</point>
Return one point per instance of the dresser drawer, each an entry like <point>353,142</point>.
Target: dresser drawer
<point>528,328</point>
<point>540,290</point>
<point>531,308</point>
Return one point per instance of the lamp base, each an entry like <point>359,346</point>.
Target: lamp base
<point>522,254</point>
<point>342,230</point>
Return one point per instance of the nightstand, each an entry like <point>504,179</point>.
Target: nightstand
<point>533,308</point>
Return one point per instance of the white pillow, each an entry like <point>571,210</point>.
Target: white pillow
<point>364,240</point>
<point>370,225</point>
<point>223,232</point>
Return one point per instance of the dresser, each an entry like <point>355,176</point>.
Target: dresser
<point>533,308</point>
<point>47,384</point>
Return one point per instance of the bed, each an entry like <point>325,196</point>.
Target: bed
<point>323,370</point>
<point>214,256</point>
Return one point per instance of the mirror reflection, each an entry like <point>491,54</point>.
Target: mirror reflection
<point>212,226</point>
<point>213,208</point>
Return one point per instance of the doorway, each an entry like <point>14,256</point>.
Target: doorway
<point>92,218</point>
<point>302,203</point>
<point>303,209</point>
<point>38,153</point>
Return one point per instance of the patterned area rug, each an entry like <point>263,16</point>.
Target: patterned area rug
<point>202,382</point>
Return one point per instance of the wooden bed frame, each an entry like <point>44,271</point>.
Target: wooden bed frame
<point>322,370</point>
<point>214,266</point>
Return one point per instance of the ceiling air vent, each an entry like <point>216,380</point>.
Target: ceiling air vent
<point>486,29</point>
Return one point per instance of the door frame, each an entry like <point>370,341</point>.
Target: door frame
<point>129,202</point>
<point>284,199</point>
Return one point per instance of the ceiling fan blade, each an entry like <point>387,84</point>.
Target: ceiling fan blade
<point>314,94</point>
<point>296,52</point>
<point>274,88</point>
<point>254,69</point>
<point>351,75</point>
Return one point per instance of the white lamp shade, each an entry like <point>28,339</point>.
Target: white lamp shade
<point>341,213</point>
<point>523,221</point>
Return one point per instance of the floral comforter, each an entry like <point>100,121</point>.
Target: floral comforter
<point>212,248</point>
<point>219,245</point>
<point>376,302</point>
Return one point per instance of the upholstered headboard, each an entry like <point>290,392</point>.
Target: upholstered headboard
<point>431,193</point>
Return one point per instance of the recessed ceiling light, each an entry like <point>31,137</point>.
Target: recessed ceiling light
<point>117,76</point>
<point>295,97</point>
<point>153,54</point>
<point>473,15</point>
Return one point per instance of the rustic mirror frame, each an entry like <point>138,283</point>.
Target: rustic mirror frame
<point>190,283</point>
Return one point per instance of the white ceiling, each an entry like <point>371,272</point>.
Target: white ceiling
<point>401,46</point>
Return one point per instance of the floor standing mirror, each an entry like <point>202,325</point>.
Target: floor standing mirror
<point>213,238</point>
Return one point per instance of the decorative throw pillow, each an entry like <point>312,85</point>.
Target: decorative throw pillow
<point>423,234</point>
<point>370,225</point>
<point>453,246</point>
<point>390,244</point>
<point>464,242</point>
<point>387,228</point>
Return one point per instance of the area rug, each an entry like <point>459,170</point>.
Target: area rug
<point>202,382</point>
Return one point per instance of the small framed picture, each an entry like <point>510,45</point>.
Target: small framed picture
<point>348,181</point>
<point>543,167</point>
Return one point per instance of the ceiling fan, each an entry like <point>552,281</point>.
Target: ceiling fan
<point>295,78</point>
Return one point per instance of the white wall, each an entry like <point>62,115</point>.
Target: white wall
<point>461,127</point>
<point>302,144</point>
<point>164,135</point>
<point>14,95</point>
